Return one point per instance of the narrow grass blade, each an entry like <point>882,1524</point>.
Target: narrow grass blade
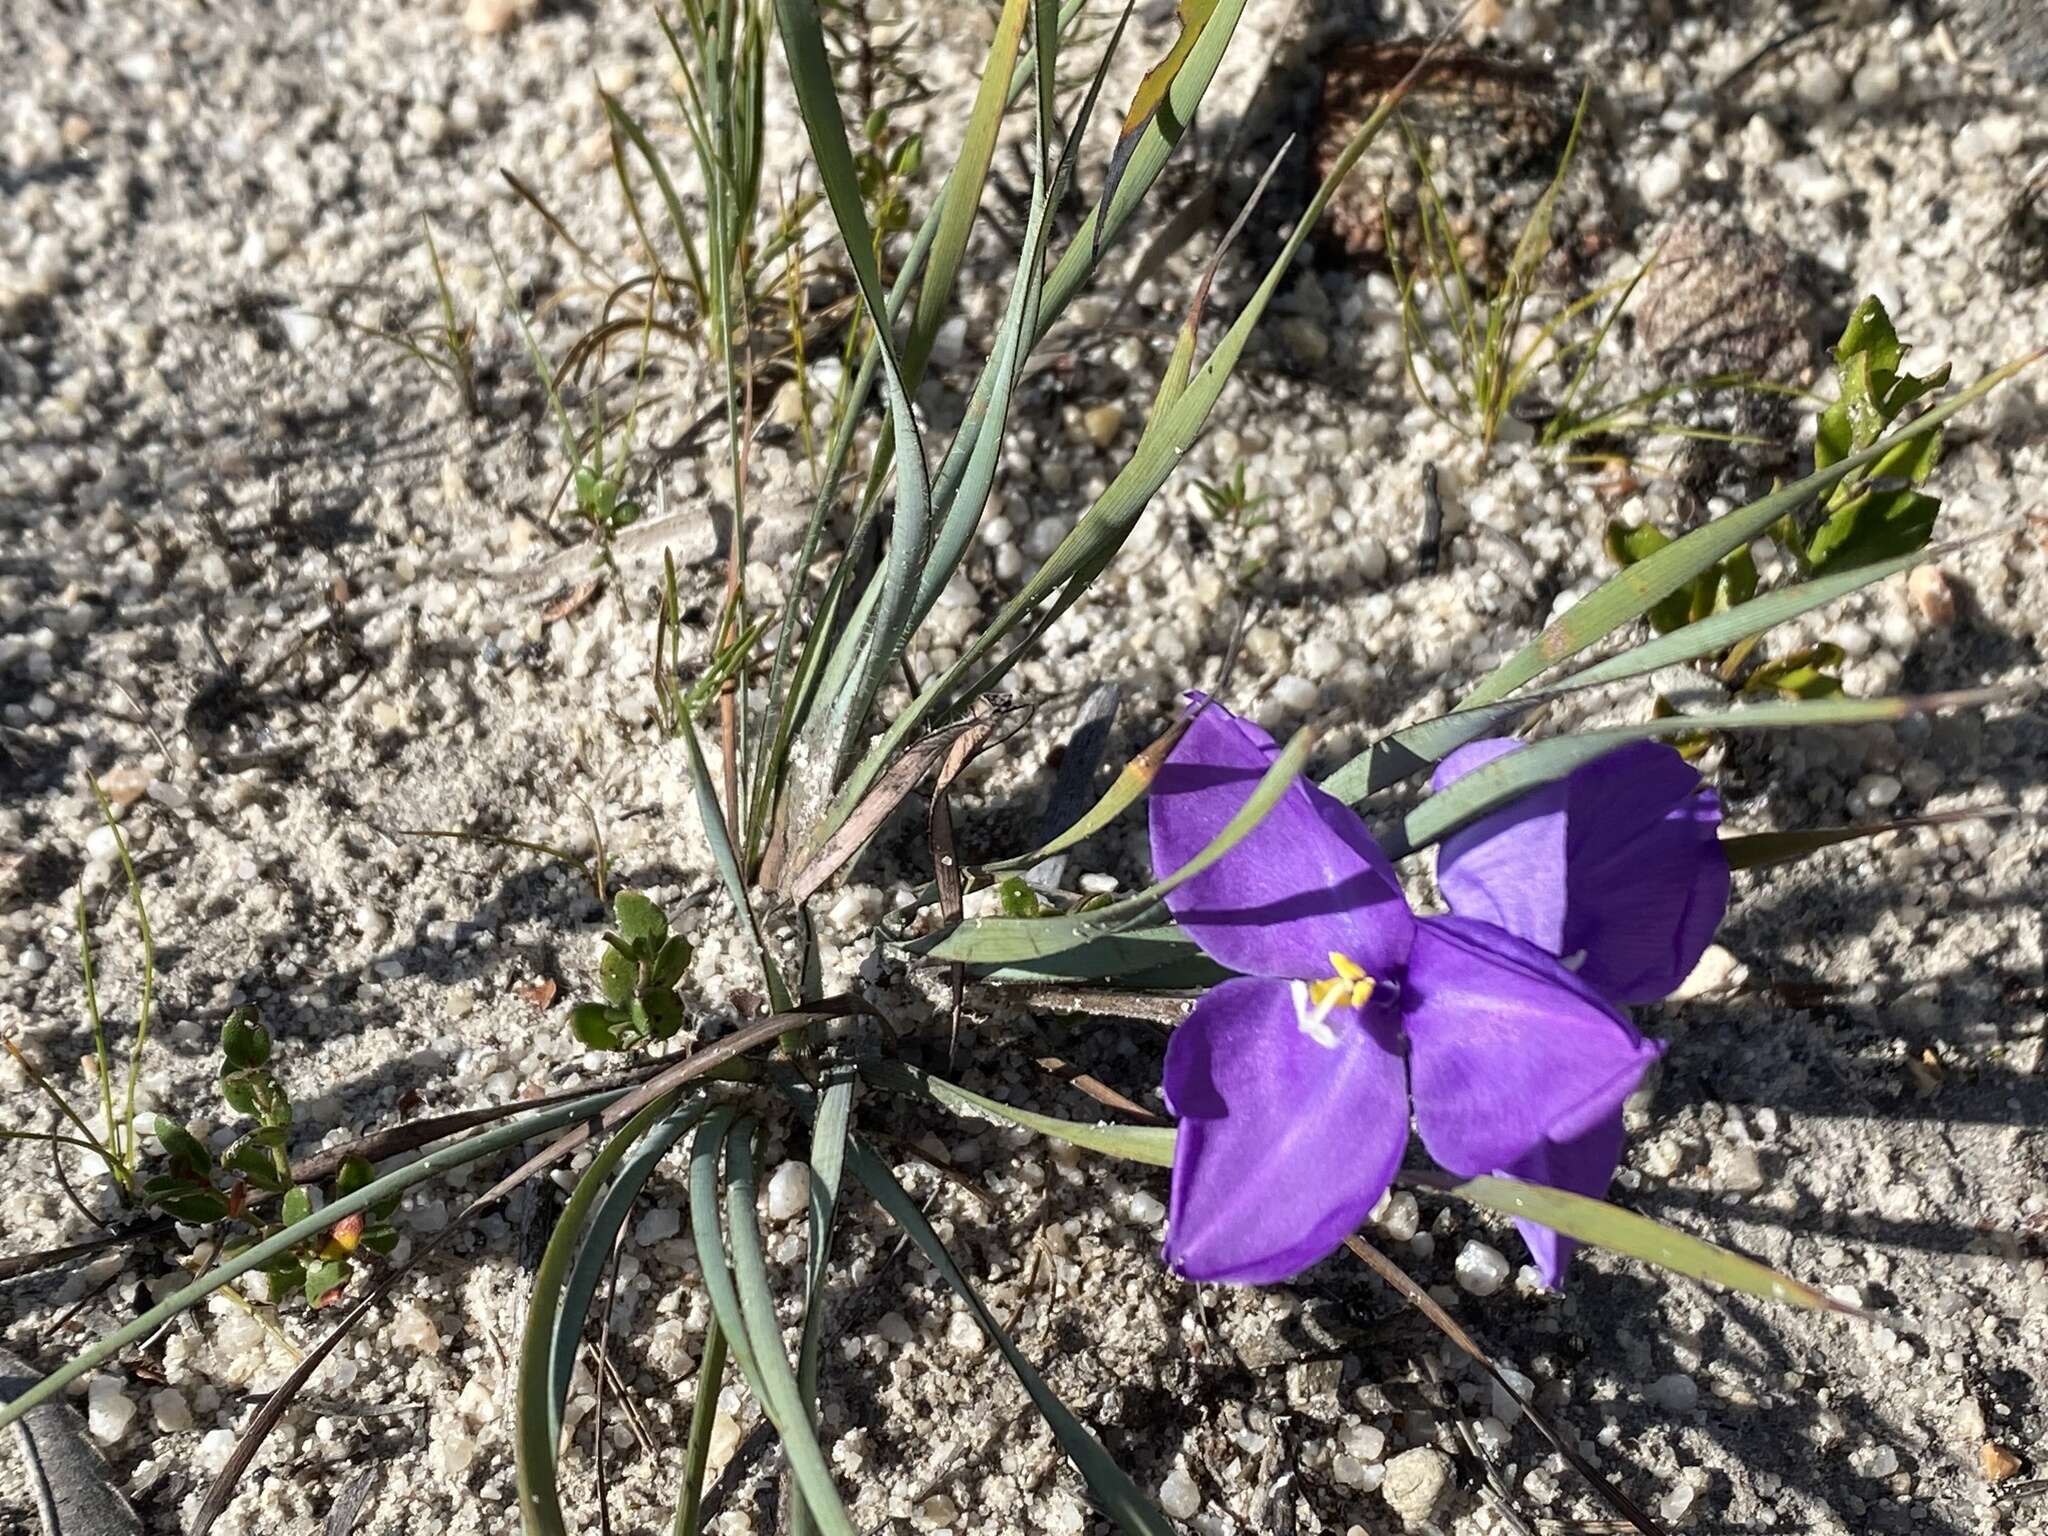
<point>1767,850</point>
<point>1578,1216</point>
<point>1130,786</point>
<point>960,198</point>
<point>1160,959</point>
<point>1102,531</point>
<point>703,1416</point>
<point>1110,1485</point>
<point>894,786</point>
<point>810,71</point>
<point>1633,592</point>
<point>722,854</point>
<point>596,1246</point>
<point>1152,94</point>
<point>1407,752</point>
<point>1150,1144</point>
<point>1007,940</point>
<point>707,1151</point>
<point>1541,762</point>
<point>1639,1237</point>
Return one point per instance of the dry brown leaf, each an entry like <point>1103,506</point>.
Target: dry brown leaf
<point>574,599</point>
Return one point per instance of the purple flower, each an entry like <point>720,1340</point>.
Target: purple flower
<point>1616,868</point>
<point>1293,1081</point>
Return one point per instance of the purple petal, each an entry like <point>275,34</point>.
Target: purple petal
<point>1618,867</point>
<point>1510,1054</point>
<point>1649,882</point>
<point>1585,1166</point>
<point>1507,868</point>
<point>1308,881</point>
<point>1285,1144</point>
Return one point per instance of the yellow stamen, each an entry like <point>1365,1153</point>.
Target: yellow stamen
<point>1350,986</point>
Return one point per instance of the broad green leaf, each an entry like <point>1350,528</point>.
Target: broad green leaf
<point>641,922</point>
<point>1157,957</point>
<point>194,1205</point>
<point>353,1174</point>
<point>1805,674</point>
<point>1878,525</point>
<point>595,1025</point>
<point>244,1042</point>
<point>618,977</point>
<point>186,1151</point>
<point>1018,899</point>
<point>323,1278</point>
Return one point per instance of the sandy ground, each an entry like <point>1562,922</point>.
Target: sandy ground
<point>271,582</point>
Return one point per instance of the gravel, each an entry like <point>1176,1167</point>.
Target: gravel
<point>277,588</point>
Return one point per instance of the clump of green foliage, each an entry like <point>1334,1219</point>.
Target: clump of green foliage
<point>638,972</point>
<point>1881,517</point>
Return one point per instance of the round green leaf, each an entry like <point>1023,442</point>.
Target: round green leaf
<point>640,920</point>
<point>618,977</point>
<point>244,1042</point>
<point>595,1025</point>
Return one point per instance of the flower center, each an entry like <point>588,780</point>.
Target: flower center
<point>1314,1001</point>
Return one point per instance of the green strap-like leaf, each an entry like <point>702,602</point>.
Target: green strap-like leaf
<point>960,198</point>
<point>1151,1144</point>
<point>1111,1486</point>
<point>1407,752</point>
<point>1102,531</point>
<point>548,1350</point>
<point>1639,1237</point>
<point>777,1387</point>
<point>1577,1216</point>
<point>828,1162</point>
<point>1508,778</point>
<point>596,1248</point>
<point>703,1419</point>
<point>810,71</point>
<point>1766,850</point>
